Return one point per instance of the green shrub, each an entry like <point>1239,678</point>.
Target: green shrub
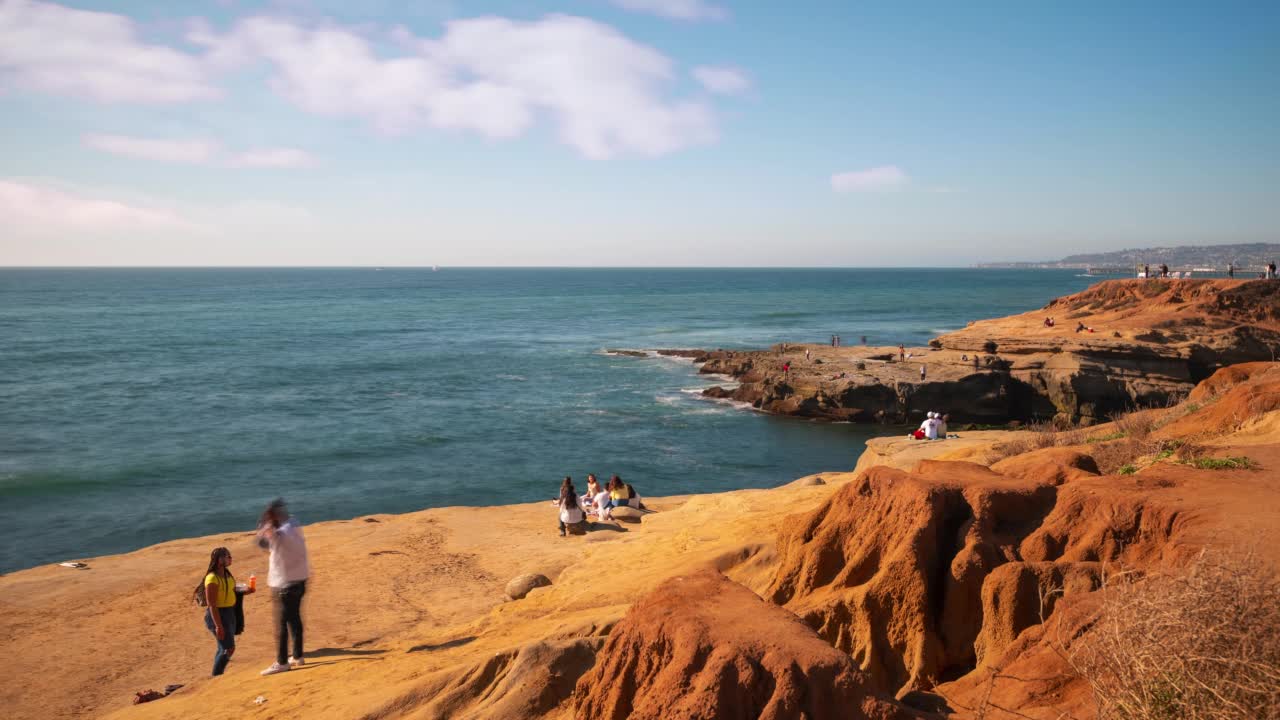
<point>1109,436</point>
<point>1226,463</point>
<point>1128,469</point>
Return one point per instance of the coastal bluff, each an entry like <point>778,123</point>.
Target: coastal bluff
<point>1117,345</point>
<point>944,579</point>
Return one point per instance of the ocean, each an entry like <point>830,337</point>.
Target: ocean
<point>142,405</point>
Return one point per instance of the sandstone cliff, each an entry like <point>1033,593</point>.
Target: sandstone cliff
<point>1145,343</point>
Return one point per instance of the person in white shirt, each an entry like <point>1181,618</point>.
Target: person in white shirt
<point>288,570</point>
<point>930,426</point>
<point>924,425</point>
<point>568,504</point>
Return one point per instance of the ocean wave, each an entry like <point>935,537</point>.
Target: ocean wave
<point>513,378</point>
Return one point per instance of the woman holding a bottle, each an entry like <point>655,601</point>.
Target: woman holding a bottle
<point>217,592</point>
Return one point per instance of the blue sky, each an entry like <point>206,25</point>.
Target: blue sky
<point>631,132</point>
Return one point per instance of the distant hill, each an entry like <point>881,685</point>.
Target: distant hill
<point>1244,256</point>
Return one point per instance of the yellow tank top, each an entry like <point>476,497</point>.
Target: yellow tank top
<point>225,597</point>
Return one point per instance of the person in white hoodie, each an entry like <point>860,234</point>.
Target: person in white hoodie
<point>288,570</point>
<point>930,426</point>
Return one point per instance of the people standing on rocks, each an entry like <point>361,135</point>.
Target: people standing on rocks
<point>976,365</point>
<point>1164,270</point>
<point>902,353</point>
<point>1146,271</point>
<point>289,569</point>
<point>1271,270</point>
<point>571,514</point>
<point>786,371</point>
<point>864,340</point>
<point>921,373</point>
<point>217,592</point>
<point>1231,270</point>
<point>806,353</point>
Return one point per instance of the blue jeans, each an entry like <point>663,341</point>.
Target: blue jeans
<point>228,642</point>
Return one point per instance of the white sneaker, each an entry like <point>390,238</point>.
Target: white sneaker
<point>275,668</point>
<point>295,662</point>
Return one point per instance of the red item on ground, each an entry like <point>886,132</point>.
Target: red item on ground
<point>919,434</point>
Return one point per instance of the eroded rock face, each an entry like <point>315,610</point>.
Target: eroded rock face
<point>702,646</point>
<point>520,684</point>
<point>922,576</point>
<point>1150,342</point>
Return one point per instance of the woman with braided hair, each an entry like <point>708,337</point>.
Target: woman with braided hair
<point>217,592</point>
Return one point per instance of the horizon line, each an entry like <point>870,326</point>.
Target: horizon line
<point>535,267</point>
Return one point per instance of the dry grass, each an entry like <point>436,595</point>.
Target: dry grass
<point>1203,644</point>
<point>1136,425</point>
<point>1038,436</point>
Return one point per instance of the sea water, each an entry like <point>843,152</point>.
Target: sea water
<point>141,405</point>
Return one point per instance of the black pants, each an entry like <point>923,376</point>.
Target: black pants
<point>287,607</point>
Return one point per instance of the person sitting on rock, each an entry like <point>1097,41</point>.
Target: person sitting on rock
<point>942,425</point>
<point>922,432</point>
<point>602,503</point>
<point>633,497</point>
<point>618,494</point>
<point>571,514</point>
<point>588,499</point>
<point>930,426</point>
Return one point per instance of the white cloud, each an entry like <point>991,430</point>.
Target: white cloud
<point>62,51</point>
<point>722,80</point>
<point>273,158</point>
<point>604,93</point>
<point>33,208</point>
<point>491,76</point>
<point>198,151</point>
<point>675,9</point>
<point>193,152</point>
<point>886,177</point>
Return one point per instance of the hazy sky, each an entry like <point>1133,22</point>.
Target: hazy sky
<point>632,132</point>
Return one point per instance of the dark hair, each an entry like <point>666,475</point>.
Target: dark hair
<point>274,508</point>
<point>631,492</point>
<point>217,554</point>
<point>615,483</point>
<point>568,500</point>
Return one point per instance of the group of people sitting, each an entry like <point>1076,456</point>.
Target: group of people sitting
<point>934,427</point>
<point>597,500</point>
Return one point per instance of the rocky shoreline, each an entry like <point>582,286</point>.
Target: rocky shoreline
<point>1140,343</point>
<point>912,588</point>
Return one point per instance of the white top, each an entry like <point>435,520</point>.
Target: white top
<point>930,427</point>
<point>289,563</point>
<point>571,515</point>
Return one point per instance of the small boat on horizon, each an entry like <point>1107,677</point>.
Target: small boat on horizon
<point>435,268</point>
